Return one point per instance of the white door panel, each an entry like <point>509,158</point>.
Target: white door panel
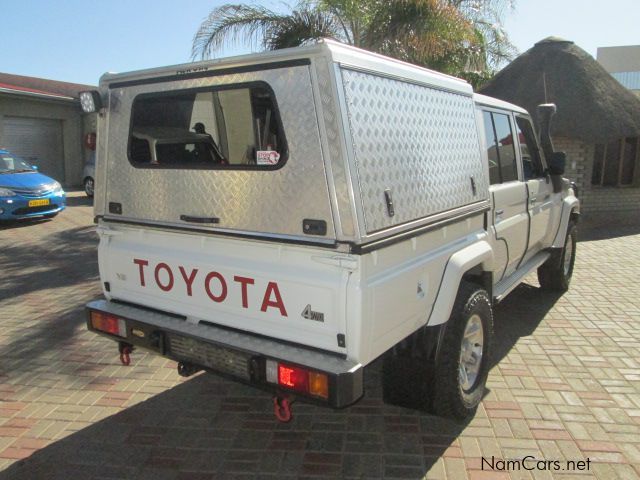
<point>544,209</point>
<point>511,222</point>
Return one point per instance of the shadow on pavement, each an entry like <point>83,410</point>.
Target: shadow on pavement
<point>39,281</point>
<point>79,201</point>
<point>590,231</point>
<point>209,427</point>
<point>25,223</point>
<point>64,258</point>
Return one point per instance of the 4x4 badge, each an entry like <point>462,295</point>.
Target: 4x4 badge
<point>311,315</point>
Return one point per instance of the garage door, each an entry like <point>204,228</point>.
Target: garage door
<point>38,141</point>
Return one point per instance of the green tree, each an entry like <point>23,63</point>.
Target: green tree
<point>460,37</point>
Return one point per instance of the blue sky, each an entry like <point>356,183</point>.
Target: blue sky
<point>78,40</point>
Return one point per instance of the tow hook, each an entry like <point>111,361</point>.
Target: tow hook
<point>125,350</point>
<point>282,407</point>
<point>187,369</point>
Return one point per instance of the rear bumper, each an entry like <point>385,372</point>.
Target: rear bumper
<point>240,355</point>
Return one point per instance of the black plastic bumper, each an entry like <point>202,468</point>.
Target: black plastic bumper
<point>235,354</point>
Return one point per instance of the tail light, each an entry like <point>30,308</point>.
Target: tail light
<point>298,379</point>
<point>108,323</point>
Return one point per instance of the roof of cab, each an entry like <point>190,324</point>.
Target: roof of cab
<point>346,55</point>
<point>497,103</point>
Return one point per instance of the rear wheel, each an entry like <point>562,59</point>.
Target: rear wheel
<point>555,273</point>
<point>463,365</point>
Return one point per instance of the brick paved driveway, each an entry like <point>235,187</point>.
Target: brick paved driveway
<point>566,386</point>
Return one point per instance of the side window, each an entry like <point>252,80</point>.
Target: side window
<point>236,127</point>
<point>529,150</point>
<point>506,149</point>
<point>492,149</point>
<point>500,148</point>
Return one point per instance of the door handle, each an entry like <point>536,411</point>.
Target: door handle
<point>533,199</point>
<point>499,212</point>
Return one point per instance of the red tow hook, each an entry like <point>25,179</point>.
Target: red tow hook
<point>282,408</point>
<point>125,350</point>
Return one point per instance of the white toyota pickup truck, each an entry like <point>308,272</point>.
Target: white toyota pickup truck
<point>286,218</point>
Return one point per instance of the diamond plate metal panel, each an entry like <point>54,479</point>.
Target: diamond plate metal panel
<point>419,142</point>
<point>99,205</point>
<point>275,202</point>
<point>335,142</point>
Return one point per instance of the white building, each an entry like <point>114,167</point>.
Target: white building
<point>623,63</point>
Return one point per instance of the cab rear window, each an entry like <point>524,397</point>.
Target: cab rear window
<point>218,128</point>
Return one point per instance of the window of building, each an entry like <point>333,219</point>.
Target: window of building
<point>614,163</point>
<point>227,128</point>
<point>500,148</point>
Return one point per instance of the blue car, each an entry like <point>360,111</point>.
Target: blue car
<point>25,193</point>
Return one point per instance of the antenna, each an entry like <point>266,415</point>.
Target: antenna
<point>544,85</point>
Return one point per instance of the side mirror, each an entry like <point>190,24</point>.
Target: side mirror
<point>34,167</point>
<point>557,163</point>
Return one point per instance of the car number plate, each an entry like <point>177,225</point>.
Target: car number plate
<point>38,203</point>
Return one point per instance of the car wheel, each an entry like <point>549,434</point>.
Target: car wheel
<point>463,365</point>
<point>88,186</point>
<point>556,272</point>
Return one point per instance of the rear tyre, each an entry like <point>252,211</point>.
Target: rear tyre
<point>89,186</point>
<point>555,274</point>
<point>463,365</point>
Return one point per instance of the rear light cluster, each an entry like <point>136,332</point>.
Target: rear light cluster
<point>298,379</point>
<point>108,323</point>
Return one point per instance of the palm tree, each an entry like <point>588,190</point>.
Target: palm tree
<point>253,24</point>
<point>487,19</point>
<point>447,35</point>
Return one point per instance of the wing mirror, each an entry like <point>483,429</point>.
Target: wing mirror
<point>34,168</point>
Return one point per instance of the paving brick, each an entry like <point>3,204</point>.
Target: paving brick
<point>15,453</point>
<point>550,434</point>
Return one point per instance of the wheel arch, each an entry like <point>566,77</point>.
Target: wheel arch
<point>570,212</point>
<point>474,263</point>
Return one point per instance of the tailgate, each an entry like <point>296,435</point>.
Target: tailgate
<point>287,292</point>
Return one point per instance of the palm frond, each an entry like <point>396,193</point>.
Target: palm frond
<point>230,24</point>
<point>487,17</point>
<point>302,26</point>
<point>352,16</point>
<point>426,32</point>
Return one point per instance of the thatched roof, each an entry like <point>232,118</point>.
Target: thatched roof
<point>592,105</point>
